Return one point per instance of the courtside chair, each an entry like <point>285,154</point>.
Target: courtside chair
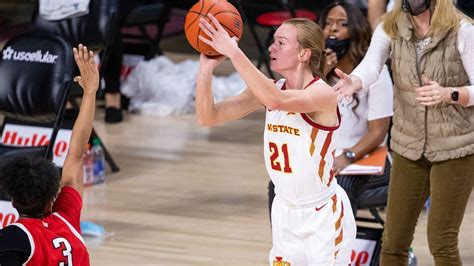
<point>142,28</point>
<point>35,83</point>
<point>96,31</point>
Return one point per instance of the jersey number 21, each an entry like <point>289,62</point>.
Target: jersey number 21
<point>275,160</point>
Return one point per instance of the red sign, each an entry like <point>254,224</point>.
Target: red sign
<point>362,252</point>
<point>8,214</point>
<point>31,136</point>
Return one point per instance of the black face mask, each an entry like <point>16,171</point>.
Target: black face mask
<point>415,7</point>
<point>338,46</point>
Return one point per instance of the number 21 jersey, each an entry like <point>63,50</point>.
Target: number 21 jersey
<point>299,155</point>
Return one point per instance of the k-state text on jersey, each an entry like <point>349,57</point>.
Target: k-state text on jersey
<point>283,129</point>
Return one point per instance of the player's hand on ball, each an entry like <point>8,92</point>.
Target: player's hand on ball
<point>210,62</point>
<point>218,39</point>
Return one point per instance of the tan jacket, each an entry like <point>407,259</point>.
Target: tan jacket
<point>441,132</point>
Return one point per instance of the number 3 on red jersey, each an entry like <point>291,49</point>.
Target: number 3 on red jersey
<point>275,153</point>
<point>66,248</point>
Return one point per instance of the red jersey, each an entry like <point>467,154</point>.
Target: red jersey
<point>56,239</point>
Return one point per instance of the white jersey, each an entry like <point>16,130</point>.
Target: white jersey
<point>299,155</point>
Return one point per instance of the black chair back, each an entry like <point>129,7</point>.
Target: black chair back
<point>36,73</point>
<point>92,29</point>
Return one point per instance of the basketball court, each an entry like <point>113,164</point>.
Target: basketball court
<point>190,195</point>
<point>193,195</point>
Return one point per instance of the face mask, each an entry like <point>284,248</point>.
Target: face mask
<point>338,46</point>
<point>415,7</point>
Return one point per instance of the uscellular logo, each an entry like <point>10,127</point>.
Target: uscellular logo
<point>38,56</point>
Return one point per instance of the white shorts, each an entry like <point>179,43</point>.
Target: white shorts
<point>313,235</point>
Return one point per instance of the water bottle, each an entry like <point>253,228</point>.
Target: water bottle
<point>411,257</point>
<point>88,166</point>
<point>99,161</point>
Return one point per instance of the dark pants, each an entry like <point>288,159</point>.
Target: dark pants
<point>271,196</point>
<point>449,184</point>
<point>354,185</point>
<point>114,65</point>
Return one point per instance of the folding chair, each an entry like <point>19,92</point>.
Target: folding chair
<point>271,20</point>
<point>372,199</point>
<point>95,30</point>
<point>36,73</point>
<point>142,28</point>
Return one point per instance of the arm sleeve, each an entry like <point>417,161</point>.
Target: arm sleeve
<point>380,99</point>
<point>369,69</point>
<point>14,246</point>
<point>69,205</point>
<point>466,50</point>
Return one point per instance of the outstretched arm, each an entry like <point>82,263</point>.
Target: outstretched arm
<point>89,81</point>
<point>209,113</point>
<point>258,84</point>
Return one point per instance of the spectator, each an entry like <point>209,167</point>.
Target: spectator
<point>366,118</point>
<point>430,44</point>
<point>113,97</point>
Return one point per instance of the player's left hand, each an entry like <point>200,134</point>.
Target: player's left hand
<point>219,38</point>
<point>432,93</point>
<point>211,62</point>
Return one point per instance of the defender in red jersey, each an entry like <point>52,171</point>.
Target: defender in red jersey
<point>48,231</point>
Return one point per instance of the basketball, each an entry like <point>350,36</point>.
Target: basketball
<point>223,11</point>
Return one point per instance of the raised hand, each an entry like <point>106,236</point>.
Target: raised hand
<point>432,93</point>
<point>219,38</point>
<point>89,74</point>
<point>345,87</point>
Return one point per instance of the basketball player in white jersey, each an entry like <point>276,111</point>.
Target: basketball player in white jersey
<point>312,221</point>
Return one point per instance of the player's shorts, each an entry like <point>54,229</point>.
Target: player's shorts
<point>318,234</point>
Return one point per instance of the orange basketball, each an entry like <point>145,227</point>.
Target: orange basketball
<point>225,13</point>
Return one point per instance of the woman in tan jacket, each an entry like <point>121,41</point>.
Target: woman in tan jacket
<point>431,47</point>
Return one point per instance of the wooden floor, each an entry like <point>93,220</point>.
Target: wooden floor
<point>184,195</point>
<point>192,195</point>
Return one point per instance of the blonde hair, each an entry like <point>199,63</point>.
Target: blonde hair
<point>310,36</point>
<point>444,17</point>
